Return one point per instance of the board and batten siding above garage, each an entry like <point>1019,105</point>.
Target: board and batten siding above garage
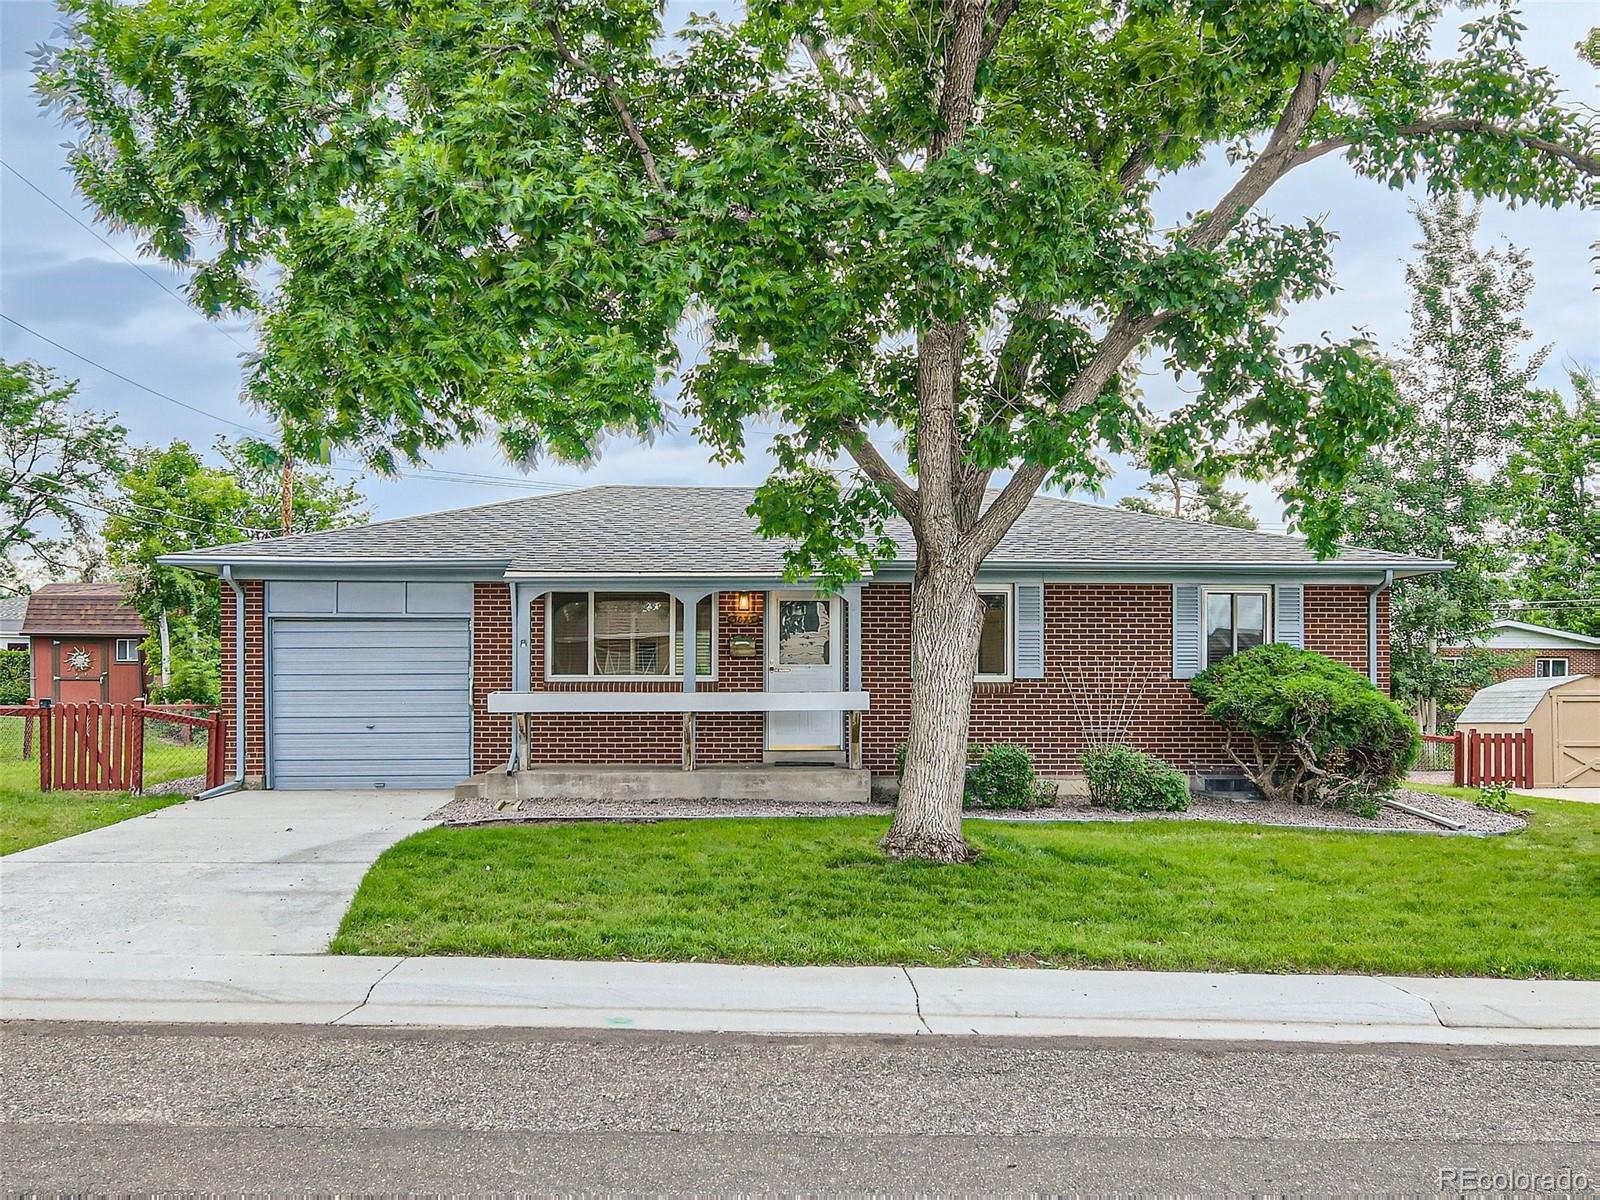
<point>369,684</point>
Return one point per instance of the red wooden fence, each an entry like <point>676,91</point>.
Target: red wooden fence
<point>95,747</point>
<point>1482,758</point>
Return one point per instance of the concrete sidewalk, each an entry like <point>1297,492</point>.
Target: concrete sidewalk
<point>67,985</point>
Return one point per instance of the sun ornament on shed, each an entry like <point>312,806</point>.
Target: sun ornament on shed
<point>78,659</point>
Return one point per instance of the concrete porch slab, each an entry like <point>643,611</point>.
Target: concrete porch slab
<point>631,784</point>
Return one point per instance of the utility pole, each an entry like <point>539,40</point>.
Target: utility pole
<point>287,505</point>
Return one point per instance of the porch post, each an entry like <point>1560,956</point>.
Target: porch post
<point>521,669</point>
<point>852,600</point>
<point>690,605</point>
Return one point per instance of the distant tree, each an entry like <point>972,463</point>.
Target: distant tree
<point>55,464</point>
<point>891,225</point>
<point>1553,508</point>
<point>169,500</point>
<point>1433,489</point>
<point>1191,496</point>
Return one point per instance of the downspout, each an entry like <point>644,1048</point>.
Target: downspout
<point>237,781</point>
<point>1372,624</point>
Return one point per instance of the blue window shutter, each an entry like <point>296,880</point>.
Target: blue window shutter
<point>1289,622</point>
<point>1185,630</point>
<point>1028,631</point>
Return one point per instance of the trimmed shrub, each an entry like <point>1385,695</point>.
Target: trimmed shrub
<point>1004,778</point>
<point>15,686</point>
<point>1307,729</point>
<point>1127,780</point>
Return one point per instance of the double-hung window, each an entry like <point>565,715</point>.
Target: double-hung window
<point>625,635</point>
<point>994,637</point>
<point>1549,668</point>
<point>126,650</point>
<point>1237,620</point>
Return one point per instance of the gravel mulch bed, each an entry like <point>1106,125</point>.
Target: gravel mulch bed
<point>1068,808</point>
<point>191,786</point>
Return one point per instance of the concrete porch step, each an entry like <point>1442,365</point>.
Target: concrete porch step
<point>788,784</point>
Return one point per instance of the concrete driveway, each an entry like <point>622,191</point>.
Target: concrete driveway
<point>245,873</point>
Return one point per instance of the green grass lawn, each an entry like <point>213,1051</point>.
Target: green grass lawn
<point>1189,895</point>
<point>29,817</point>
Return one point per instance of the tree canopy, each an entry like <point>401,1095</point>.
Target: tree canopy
<point>168,500</point>
<point>1553,508</point>
<point>514,218</point>
<point>55,464</point>
<point>1437,488</point>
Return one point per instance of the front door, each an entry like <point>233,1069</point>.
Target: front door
<point>803,656</point>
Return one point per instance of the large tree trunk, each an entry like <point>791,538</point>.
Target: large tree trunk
<point>945,625</point>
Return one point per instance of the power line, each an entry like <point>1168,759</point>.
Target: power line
<point>448,476</point>
<point>79,501</point>
<point>92,231</point>
<point>133,382</point>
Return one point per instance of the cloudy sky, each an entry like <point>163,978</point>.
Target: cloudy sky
<point>114,321</point>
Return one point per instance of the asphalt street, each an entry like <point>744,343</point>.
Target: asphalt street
<point>103,1108</point>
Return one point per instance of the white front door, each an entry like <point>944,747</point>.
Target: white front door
<point>803,656</point>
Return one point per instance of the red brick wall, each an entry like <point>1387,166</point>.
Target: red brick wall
<point>1108,674</point>
<point>491,672</point>
<point>1108,648</point>
<point>1336,625</point>
<point>653,738</point>
<point>255,686</point>
<point>1579,662</point>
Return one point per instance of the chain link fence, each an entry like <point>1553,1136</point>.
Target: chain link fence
<point>19,755</point>
<point>174,752</point>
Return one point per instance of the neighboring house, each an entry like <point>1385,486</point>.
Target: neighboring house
<point>1542,652</point>
<point>85,643</point>
<point>1564,713</point>
<point>409,652</point>
<point>11,614</point>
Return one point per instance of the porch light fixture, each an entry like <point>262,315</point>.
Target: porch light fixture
<point>744,608</point>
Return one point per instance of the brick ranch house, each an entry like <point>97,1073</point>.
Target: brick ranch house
<point>539,634</point>
<point>1541,652</point>
<point>84,644</point>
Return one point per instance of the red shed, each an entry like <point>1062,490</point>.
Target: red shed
<point>85,643</point>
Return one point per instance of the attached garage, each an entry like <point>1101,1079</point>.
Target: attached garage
<point>365,699</point>
<point>1564,714</point>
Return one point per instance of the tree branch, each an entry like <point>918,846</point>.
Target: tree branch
<point>1589,164</point>
<point>1003,12</point>
<point>1125,334</point>
<point>853,107</point>
<point>618,102</point>
<point>878,469</point>
<point>1278,157</point>
<point>959,76</point>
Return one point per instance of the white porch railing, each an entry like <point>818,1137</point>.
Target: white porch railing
<point>522,705</point>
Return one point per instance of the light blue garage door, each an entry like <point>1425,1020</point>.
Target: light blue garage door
<point>370,703</point>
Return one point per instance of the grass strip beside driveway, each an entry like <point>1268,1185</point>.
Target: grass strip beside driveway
<point>29,817</point>
<point>1155,895</point>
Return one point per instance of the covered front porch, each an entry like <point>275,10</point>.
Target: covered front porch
<point>723,679</point>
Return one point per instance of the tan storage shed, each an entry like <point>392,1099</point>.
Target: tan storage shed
<point>1564,714</point>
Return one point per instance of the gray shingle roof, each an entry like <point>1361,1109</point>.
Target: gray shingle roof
<point>1509,702</point>
<point>621,530</point>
